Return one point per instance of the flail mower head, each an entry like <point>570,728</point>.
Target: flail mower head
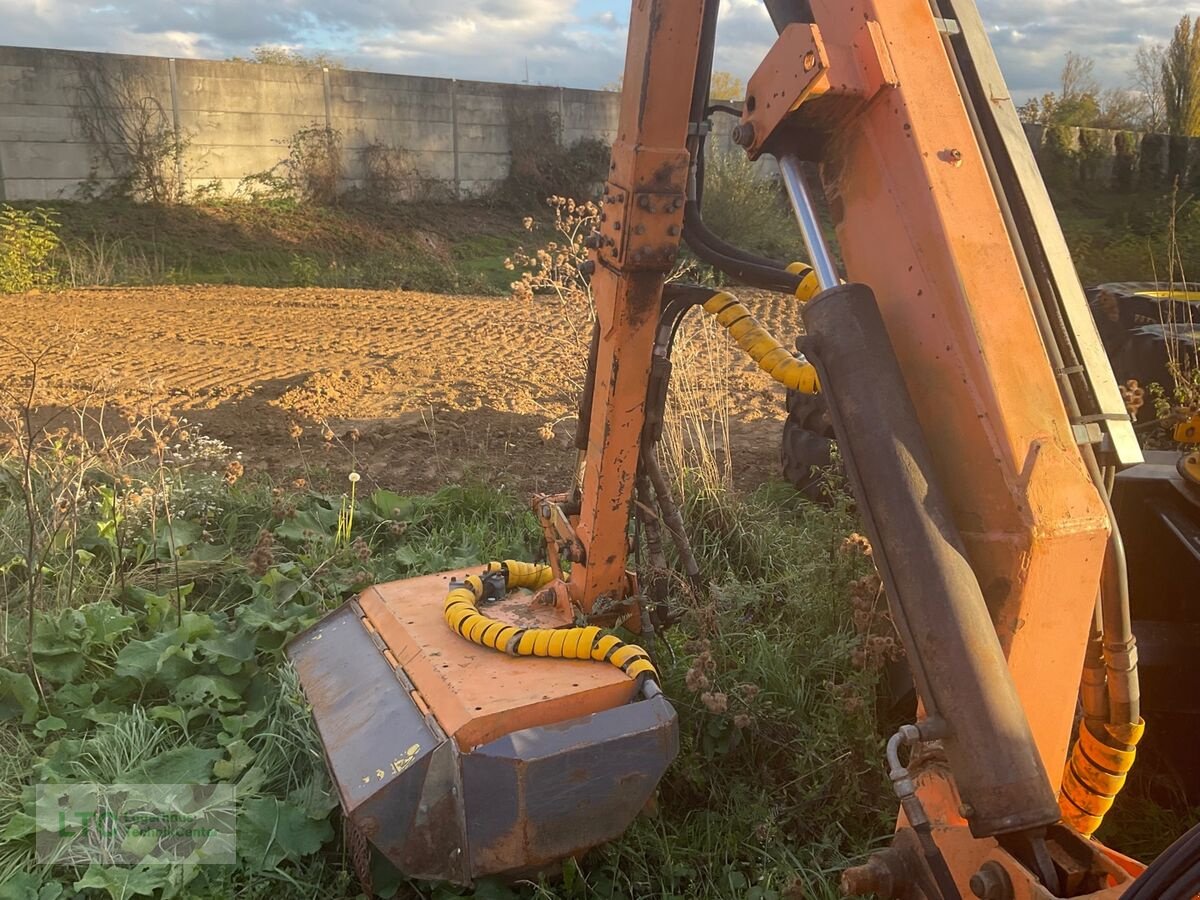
<point>456,761</point>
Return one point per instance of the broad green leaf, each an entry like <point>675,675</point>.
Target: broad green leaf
<point>491,889</point>
<point>156,606</point>
<point>240,756</point>
<point>234,726</point>
<point>49,724</point>
<point>143,659</point>
<point>183,765</point>
<point>390,505</point>
<point>59,761</point>
<point>200,689</point>
<point>302,528</point>
<point>105,712</point>
<point>19,826</point>
<point>271,831</point>
<point>106,623</point>
<point>315,796</point>
<point>17,697</point>
<point>180,716</point>
<point>230,650</point>
<point>408,557</point>
<point>280,588</point>
<point>209,552</point>
<point>20,886</point>
<point>58,645</point>
<point>75,696</point>
<point>122,882</point>
<point>180,535</point>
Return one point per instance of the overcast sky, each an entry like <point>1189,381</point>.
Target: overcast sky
<point>578,43</point>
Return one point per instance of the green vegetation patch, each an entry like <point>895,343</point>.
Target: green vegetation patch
<point>164,590</point>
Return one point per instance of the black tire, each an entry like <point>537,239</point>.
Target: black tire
<point>807,448</point>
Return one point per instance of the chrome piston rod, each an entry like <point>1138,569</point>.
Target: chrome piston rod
<point>810,227</point>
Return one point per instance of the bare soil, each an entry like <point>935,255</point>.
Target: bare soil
<point>413,390</point>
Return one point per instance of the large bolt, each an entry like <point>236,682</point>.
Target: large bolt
<point>743,134</point>
<point>593,241</point>
<point>991,882</point>
<point>587,268</point>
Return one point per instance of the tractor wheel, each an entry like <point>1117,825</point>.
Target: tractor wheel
<point>807,450</point>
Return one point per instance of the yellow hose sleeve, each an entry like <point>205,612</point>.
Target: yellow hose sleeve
<point>772,357</point>
<point>463,615</point>
<point>809,286</point>
<point>1096,772</point>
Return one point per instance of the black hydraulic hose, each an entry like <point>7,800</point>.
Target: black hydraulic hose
<point>1120,645</point>
<point>936,863</point>
<point>1168,869</point>
<point>752,274</point>
<point>704,63</point>
<point>737,264</point>
<point>693,221</point>
<point>1186,886</point>
<point>583,423</point>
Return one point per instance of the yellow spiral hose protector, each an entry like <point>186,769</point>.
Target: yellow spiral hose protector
<point>809,286</point>
<point>772,357</point>
<point>463,615</point>
<point>1095,774</point>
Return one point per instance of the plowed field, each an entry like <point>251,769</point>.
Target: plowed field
<point>417,389</point>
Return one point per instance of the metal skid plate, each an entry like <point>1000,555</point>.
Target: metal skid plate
<point>516,804</point>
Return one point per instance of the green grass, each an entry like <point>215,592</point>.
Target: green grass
<point>443,247</point>
<point>1126,237</point>
<point>461,247</point>
<point>159,650</point>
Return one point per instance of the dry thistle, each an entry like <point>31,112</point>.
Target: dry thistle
<point>261,557</point>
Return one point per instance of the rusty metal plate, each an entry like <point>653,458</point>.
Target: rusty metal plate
<point>383,753</point>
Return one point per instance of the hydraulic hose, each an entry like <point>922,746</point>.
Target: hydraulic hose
<point>1172,872</point>
<point>1105,751</point>
<point>463,615</point>
<point>1096,772</point>
<point>772,357</point>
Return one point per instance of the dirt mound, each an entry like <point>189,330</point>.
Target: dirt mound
<point>326,395</point>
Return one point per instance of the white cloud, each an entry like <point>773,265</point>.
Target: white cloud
<point>572,42</point>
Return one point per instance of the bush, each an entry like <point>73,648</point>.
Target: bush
<point>542,166</point>
<point>748,209</point>
<point>27,240</point>
<point>315,163</point>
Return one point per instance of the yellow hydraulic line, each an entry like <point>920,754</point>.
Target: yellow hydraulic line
<point>772,357</point>
<point>1096,772</point>
<point>462,614</point>
<point>809,286</point>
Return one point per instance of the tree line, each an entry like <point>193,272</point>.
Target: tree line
<point>1163,94</point>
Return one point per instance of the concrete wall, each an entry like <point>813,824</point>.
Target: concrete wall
<point>236,119</point>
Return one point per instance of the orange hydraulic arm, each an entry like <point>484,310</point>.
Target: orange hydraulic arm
<point>640,231</point>
<point>961,286</point>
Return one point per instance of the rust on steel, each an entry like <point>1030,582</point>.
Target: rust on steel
<point>641,222</point>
